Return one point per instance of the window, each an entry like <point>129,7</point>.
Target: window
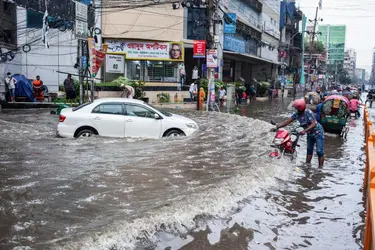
<point>152,71</point>
<point>107,108</point>
<point>171,70</point>
<point>134,69</point>
<point>155,71</point>
<point>81,106</point>
<point>196,28</point>
<point>134,110</point>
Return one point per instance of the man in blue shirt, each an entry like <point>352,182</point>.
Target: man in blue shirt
<point>313,129</point>
<point>319,110</point>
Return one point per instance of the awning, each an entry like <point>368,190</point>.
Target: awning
<point>248,57</point>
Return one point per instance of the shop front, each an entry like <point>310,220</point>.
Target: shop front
<point>156,63</point>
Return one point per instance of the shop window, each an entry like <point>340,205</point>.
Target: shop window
<point>134,70</point>
<point>170,71</point>
<point>155,71</point>
<point>148,71</point>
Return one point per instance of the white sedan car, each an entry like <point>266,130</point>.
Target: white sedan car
<point>119,117</point>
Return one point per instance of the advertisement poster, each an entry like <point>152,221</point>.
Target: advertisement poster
<point>115,64</point>
<point>212,58</point>
<point>96,56</point>
<point>230,28</point>
<point>199,49</point>
<point>163,51</point>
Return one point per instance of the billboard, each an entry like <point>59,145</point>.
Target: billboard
<point>136,50</point>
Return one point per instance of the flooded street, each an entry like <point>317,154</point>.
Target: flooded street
<point>217,189</point>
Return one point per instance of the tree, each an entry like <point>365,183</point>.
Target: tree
<point>316,48</point>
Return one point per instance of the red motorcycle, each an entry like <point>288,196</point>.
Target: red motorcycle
<point>285,143</point>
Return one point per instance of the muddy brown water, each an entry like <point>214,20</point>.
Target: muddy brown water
<point>217,189</point>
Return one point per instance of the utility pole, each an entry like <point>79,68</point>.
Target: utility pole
<point>312,38</point>
<point>211,11</point>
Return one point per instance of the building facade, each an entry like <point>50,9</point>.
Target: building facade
<point>250,51</point>
<point>350,62</point>
<point>333,37</point>
<point>291,43</point>
<point>372,73</point>
<point>360,74</point>
<point>31,55</point>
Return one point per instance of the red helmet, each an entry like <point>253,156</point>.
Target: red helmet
<point>300,105</point>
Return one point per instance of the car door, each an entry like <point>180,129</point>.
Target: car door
<point>109,120</point>
<point>141,122</point>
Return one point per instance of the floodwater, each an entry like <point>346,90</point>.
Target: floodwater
<point>217,189</point>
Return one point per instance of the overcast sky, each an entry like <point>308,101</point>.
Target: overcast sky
<point>359,18</point>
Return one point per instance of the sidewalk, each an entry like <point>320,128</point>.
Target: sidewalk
<point>184,106</point>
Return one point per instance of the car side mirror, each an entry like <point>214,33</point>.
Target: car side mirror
<point>157,116</point>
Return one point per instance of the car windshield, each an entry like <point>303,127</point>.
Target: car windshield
<point>161,111</point>
<point>81,106</point>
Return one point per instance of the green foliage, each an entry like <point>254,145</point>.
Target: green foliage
<point>119,81</point>
<point>218,84</point>
<point>316,48</point>
<point>139,89</point>
<point>164,98</point>
<point>262,88</point>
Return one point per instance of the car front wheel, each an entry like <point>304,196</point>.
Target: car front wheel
<point>85,133</point>
<point>174,133</point>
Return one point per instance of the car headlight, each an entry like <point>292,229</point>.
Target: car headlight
<point>192,125</point>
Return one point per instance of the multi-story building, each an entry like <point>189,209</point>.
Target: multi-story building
<point>350,61</point>
<point>360,74</point>
<point>32,57</point>
<point>372,74</point>
<point>333,37</point>
<point>291,42</point>
<point>8,38</point>
<point>247,49</point>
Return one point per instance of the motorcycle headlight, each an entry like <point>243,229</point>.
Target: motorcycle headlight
<point>192,125</point>
<point>278,142</point>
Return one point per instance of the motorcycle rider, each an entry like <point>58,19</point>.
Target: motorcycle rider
<point>313,129</point>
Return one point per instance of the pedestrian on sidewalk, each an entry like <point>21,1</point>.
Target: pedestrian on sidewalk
<point>222,93</point>
<point>193,91</point>
<point>11,84</point>
<point>69,88</point>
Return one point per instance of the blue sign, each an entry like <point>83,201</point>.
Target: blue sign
<point>84,62</point>
<point>234,44</point>
<point>231,27</point>
<point>87,2</point>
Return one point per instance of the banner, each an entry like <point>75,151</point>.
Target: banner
<point>163,51</point>
<point>199,49</point>
<point>96,56</point>
<point>230,28</point>
<point>97,59</point>
<point>212,58</point>
<point>115,64</point>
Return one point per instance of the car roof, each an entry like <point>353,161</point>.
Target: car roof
<point>101,100</point>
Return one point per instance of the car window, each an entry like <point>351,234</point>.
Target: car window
<point>107,108</point>
<point>135,110</point>
<point>81,106</point>
<point>160,110</point>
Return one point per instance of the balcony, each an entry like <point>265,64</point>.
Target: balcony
<point>255,4</point>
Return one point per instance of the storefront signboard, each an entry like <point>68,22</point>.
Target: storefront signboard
<point>199,49</point>
<point>212,58</point>
<point>230,28</point>
<point>234,44</point>
<point>136,50</point>
<point>115,64</point>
